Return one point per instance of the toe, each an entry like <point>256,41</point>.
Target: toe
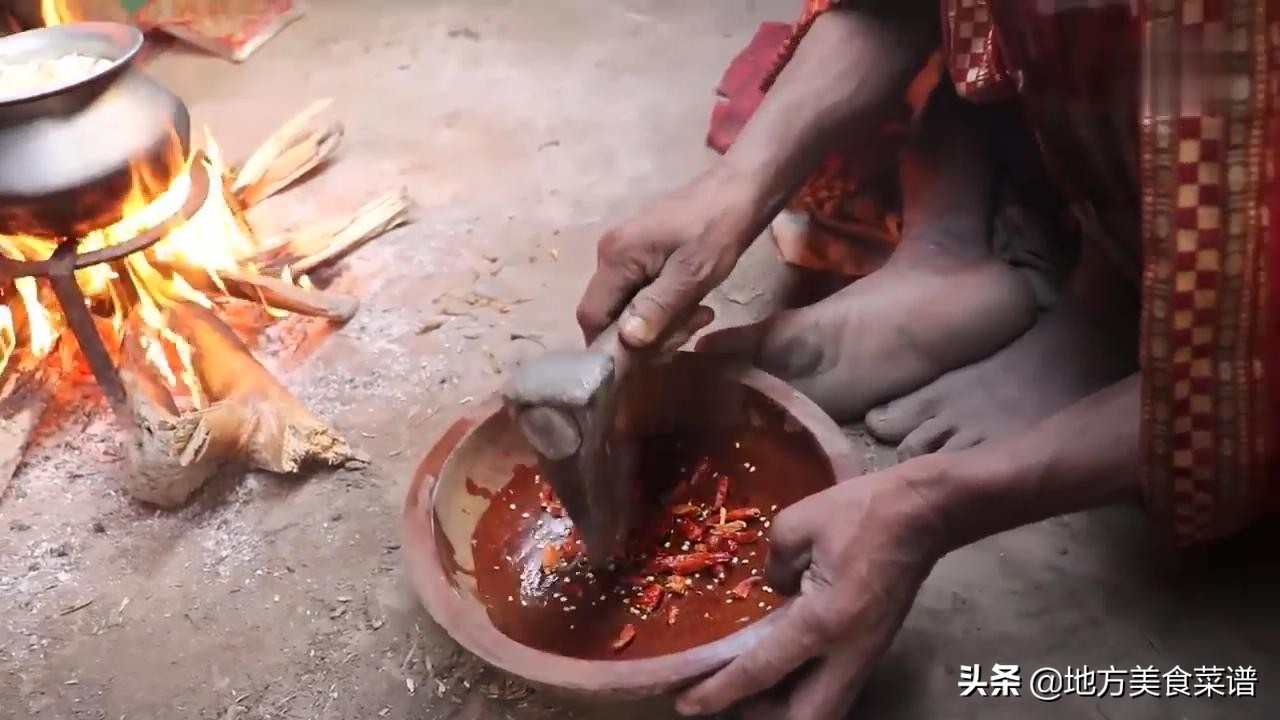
<point>893,422</point>
<point>929,437</point>
<point>962,439</point>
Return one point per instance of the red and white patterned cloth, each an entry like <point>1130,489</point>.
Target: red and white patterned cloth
<point>972,55</point>
<point>233,29</point>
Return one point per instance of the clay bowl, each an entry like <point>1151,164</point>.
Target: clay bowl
<point>692,397</point>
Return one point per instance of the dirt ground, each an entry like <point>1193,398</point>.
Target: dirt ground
<point>520,129</point>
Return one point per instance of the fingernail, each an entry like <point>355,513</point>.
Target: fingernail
<point>636,329</point>
<point>686,707</point>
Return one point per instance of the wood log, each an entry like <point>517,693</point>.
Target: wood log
<point>251,420</point>
<point>280,293</point>
<point>318,245</point>
<point>273,291</point>
<point>298,147</point>
<point>25,394</point>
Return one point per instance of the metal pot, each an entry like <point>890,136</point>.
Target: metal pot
<point>72,155</point>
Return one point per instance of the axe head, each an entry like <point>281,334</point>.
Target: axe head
<point>565,404</point>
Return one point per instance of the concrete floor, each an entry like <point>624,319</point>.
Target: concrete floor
<point>521,130</point>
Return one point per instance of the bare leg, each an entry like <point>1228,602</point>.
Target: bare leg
<point>942,301</point>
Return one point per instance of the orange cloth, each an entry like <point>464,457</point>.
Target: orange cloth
<point>854,196</point>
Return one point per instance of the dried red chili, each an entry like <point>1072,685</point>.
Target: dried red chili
<point>743,589</point>
<point>722,494</point>
<point>550,557</point>
<point>649,599</point>
<point>729,527</point>
<point>687,539</point>
<point>677,584</point>
<point>688,564</point>
<point>624,638</point>
<point>689,530</point>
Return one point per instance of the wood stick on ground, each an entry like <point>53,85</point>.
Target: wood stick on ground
<point>276,292</point>
<point>251,419</point>
<point>297,148</point>
<point>24,395</point>
<point>281,294</point>
<point>306,250</point>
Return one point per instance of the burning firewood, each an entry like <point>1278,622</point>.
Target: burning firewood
<point>280,293</point>
<point>273,291</point>
<point>236,413</point>
<point>250,420</point>
<point>298,147</point>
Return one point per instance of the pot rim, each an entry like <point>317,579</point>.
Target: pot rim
<point>468,623</point>
<point>39,42</point>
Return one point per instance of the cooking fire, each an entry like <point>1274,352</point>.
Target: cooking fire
<point>123,250</point>
<point>137,289</point>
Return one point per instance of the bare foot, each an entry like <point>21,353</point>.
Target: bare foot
<point>1059,361</point>
<point>888,333</point>
<point>942,300</point>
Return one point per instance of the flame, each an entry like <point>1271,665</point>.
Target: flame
<point>7,339</point>
<point>143,284</point>
<point>213,240</point>
<point>58,12</point>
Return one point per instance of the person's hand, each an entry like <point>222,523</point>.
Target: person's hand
<point>857,554</point>
<point>664,261</point>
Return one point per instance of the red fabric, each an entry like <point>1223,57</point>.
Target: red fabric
<point>851,191</point>
<point>753,71</point>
